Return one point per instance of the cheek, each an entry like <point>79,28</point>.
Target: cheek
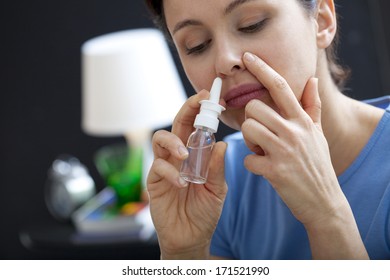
<point>293,55</point>
<point>198,73</point>
<point>295,66</point>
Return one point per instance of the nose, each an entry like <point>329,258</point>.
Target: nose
<point>228,58</point>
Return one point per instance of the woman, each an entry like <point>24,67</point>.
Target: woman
<point>300,169</point>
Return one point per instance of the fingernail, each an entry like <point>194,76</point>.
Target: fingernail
<point>183,182</point>
<point>249,57</point>
<point>183,152</point>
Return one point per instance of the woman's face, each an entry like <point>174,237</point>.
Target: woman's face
<point>212,36</point>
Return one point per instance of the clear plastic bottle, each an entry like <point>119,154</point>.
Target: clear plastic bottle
<point>200,143</point>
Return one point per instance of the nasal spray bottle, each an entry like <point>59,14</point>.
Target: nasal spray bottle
<point>200,143</point>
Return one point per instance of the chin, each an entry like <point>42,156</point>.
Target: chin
<point>234,121</point>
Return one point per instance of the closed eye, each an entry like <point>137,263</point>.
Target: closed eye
<point>199,48</point>
<point>253,27</point>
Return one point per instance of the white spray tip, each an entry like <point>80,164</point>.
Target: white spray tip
<point>215,91</point>
<point>210,109</point>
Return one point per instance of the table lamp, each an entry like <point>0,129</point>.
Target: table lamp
<point>130,87</point>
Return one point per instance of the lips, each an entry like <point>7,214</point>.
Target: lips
<point>239,96</point>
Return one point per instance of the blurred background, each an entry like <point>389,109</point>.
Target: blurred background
<point>40,106</point>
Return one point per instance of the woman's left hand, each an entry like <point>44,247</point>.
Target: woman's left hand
<point>290,149</point>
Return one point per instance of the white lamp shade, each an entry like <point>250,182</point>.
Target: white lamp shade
<point>129,83</point>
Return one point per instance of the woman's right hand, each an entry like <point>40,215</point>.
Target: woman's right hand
<point>185,215</point>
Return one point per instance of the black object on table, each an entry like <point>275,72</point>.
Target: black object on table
<point>62,241</point>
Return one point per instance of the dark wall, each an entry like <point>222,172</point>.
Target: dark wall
<point>40,90</point>
<point>41,99</point>
<point>363,46</point>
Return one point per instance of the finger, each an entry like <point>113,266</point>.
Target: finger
<point>257,164</point>
<point>166,144</point>
<point>184,120</point>
<point>258,138</point>
<point>264,114</point>
<point>163,170</point>
<point>216,177</point>
<point>311,102</point>
<point>277,86</point>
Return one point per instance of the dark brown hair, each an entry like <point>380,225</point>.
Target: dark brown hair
<point>339,73</point>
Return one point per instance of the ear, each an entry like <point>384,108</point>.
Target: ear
<point>327,23</point>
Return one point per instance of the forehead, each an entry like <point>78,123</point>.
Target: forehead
<point>183,8</point>
<point>212,12</point>
<point>176,10</point>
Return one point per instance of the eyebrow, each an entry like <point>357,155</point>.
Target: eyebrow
<point>233,5</point>
<point>191,22</point>
<point>185,23</point>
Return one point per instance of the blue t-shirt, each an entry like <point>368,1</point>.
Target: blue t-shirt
<point>256,224</point>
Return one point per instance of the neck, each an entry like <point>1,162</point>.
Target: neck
<point>347,124</point>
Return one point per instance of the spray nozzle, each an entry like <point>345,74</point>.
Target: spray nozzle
<point>210,109</point>
<point>215,91</point>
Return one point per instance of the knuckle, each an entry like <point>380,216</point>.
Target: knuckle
<point>248,125</point>
<point>307,123</point>
<point>251,107</point>
<point>180,121</point>
<point>280,82</point>
<point>158,138</point>
<point>297,137</point>
<point>291,132</point>
<point>317,103</point>
<point>280,172</point>
<point>290,150</point>
<point>158,135</point>
<point>294,144</point>
<point>158,163</point>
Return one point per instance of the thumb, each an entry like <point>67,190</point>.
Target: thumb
<point>216,178</point>
<point>311,102</point>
